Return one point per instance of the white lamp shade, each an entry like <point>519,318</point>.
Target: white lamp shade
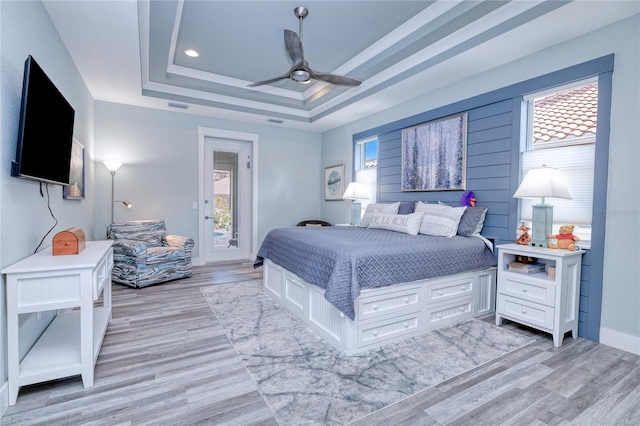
<point>112,165</point>
<point>356,191</point>
<point>543,182</point>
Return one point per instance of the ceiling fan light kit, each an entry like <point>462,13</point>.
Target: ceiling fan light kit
<point>300,71</point>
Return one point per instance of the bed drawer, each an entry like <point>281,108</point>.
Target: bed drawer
<point>388,329</point>
<point>395,302</point>
<point>450,312</point>
<point>528,313</point>
<point>535,290</point>
<point>442,292</point>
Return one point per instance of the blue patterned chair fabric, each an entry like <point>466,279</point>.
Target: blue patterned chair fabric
<point>143,253</point>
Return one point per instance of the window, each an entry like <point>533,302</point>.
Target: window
<point>561,132</point>
<point>365,164</point>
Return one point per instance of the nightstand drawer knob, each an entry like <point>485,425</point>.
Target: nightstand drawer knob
<point>375,307</point>
<point>463,288</point>
<point>524,289</point>
<point>406,325</point>
<point>440,293</point>
<point>406,300</point>
<point>524,311</point>
<point>461,308</point>
<point>439,315</point>
<point>375,333</point>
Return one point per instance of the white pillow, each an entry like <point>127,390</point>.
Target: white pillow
<point>405,223</point>
<point>382,208</point>
<point>439,220</point>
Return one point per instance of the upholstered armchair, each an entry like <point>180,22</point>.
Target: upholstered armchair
<point>143,253</point>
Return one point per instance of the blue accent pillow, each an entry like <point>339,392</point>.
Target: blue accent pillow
<point>472,221</point>
<point>406,207</point>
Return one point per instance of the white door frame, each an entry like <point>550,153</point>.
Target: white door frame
<point>206,132</point>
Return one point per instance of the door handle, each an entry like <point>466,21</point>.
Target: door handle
<point>208,217</point>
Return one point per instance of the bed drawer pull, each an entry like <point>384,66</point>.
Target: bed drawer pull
<point>524,289</point>
<point>463,288</point>
<point>375,307</point>
<point>439,315</point>
<point>406,325</point>
<point>375,333</point>
<point>524,311</point>
<point>461,308</point>
<point>440,293</point>
<point>406,300</point>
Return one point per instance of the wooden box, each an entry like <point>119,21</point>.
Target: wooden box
<point>69,241</point>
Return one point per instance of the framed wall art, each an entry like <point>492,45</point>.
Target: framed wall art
<point>434,155</point>
<point>333,182</point>
<point>75,190</point>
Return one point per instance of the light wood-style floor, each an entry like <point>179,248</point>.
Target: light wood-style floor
<point>166,361</point>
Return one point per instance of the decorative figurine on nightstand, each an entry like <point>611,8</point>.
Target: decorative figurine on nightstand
<point>468,199</point>
<point>566,239</point>
<point>523,236</point>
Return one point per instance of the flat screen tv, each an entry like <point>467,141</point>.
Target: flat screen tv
<point>45,133</point>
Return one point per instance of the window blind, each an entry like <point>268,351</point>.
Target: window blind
<point>576,163</point>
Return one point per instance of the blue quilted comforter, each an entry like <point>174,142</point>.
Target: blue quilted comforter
<point>343,260</point>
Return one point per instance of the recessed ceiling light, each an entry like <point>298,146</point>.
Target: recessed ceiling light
<point>192,53</point>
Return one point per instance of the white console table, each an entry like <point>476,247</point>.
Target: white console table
<point>71,343</point>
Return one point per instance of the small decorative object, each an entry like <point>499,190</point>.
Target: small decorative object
<point>69,241</point>
<point>523,236</point>
<point>434,155</point>
<point>525,259</point>
<point>566,239</point>
<point>333,182</point>
<point>468,199</point>
<point>75,189</point>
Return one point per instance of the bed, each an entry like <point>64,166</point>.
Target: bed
<point>361,288</point>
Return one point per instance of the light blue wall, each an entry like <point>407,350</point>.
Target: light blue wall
<point>159,176</point>
<point>25,29</point>
<point>620,325</point>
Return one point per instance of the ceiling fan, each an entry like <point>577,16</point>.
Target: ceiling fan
<point>300,71</point>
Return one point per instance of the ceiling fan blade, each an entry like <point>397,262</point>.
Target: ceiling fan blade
<point>271,80</point>
<point>334,79</point>
<point>294,47</point>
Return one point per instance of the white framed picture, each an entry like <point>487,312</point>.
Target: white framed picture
<point>333,182</point>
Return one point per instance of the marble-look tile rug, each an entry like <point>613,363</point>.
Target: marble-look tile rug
<point>304,380</point>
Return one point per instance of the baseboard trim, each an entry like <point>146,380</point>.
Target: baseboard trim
<point>4,397</point>
<point>619,340</point>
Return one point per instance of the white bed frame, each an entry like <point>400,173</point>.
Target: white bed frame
<point>384,314</point>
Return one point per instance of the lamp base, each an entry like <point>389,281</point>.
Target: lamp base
<point>356,210</point>
<point>541,225</point>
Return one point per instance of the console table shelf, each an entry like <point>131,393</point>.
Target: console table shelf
<point>68,284</point>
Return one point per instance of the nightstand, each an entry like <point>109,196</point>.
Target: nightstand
<point>545,299</point>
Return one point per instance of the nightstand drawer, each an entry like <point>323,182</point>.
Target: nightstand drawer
<point>527,289</point>
<point>527,313</point>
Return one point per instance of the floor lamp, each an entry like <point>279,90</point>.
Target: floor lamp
<point>356,191</point>
<point>542,182</point>
<point>113,166</point>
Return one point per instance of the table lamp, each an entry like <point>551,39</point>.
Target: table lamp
<point>356,191</point>
<point>542,182</point>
